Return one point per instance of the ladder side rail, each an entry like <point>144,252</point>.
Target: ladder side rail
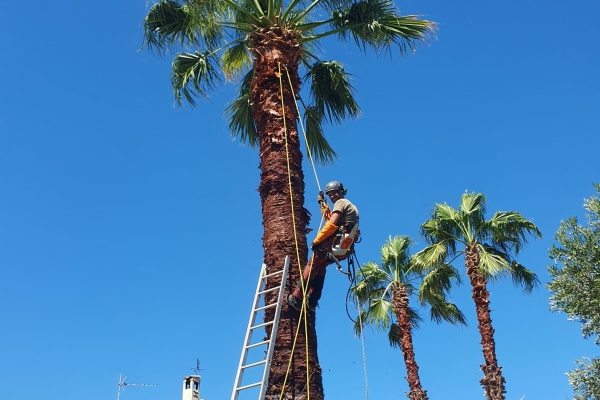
<point>263,387</point>
<point>248,339</point>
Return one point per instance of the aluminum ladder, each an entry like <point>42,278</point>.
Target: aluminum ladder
<point>256,308</point>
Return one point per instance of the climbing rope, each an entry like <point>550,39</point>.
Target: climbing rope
<point>305,285</point>
<point>362,342</point>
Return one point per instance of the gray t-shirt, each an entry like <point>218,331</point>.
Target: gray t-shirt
<point>349,212</point>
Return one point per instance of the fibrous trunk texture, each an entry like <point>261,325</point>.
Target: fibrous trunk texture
<point>493,382</point>
<point>400,301</point>
<point>275,49</point>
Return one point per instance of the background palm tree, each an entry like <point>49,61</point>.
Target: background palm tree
<point>488,245</point>
<point>386,290</point>
<point>255,43</point>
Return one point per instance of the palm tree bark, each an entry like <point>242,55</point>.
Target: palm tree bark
<point>275,49</point>
<point>400,301</point>
<point>493,382</point>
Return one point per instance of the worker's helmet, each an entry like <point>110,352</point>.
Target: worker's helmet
<point>335,186</point>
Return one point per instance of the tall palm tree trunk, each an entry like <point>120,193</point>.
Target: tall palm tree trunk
<point>276,49</point>
<point>493,382</point>
<point>400,301</point>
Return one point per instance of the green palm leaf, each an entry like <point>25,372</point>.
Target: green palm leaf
<point>239,114</point>
<point>443,310</point>
<point>235,59</point>
<point>332,92</point>
<point>194,75</point>
<point>431,256</point>
<point>170,23</point>
<point>375,23</point>
<point>492,265</point>
<point>524,277</point>
<point>509,230</point>
<point>319,146</point>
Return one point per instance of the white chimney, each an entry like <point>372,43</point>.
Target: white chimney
<point>191,388</point>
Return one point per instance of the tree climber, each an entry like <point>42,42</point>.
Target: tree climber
<point>333,243</point>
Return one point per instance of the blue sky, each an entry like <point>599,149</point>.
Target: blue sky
<point>131,230</point>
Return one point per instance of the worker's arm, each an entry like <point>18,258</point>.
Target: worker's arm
<point>329,229</point>
<point>335,217</point>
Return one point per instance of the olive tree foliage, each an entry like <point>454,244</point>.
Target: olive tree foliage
<point>585,379</point>
<point>575,289</point>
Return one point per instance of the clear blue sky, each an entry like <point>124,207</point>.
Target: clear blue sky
<point>130,237</point>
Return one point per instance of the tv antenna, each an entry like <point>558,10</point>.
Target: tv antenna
<point>197,369</point>
<point>122,384</point>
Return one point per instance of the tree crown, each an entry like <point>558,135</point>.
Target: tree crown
<point>225,32</point>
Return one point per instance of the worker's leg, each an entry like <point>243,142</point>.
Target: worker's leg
<point>315,266</point>
<point>316,288</point>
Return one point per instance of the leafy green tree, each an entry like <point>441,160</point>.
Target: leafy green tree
<point>585,379</point>
<point>488,247</point>
<point>575,285</point>
<point>265,46</point>
<point>386,290</point>
<point>575,288</point>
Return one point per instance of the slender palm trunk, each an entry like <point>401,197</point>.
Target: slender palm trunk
<point>400,301</point>
<point>493,381</point>
<point>274,49</point>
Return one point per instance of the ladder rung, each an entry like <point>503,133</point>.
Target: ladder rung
<point>249,386</point>
<point>269,290</point>
<point>256,344</point>
<point>253,364</point>
<point>273,274</point>
<point>265,307</point>
<point>262,325</point>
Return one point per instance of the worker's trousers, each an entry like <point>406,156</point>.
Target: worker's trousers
<point>315,269</point>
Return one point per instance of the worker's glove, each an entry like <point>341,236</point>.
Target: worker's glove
<point>324,206</point>
<point>328,230</point>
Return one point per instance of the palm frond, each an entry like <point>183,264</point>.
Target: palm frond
<point>332,92</point>
<point>395,255</point>
<point>380,314</point>
<point>437,231</point>
<point>439,280</point>
<point>431,256</point>
<point>371,283</point>
<point>473,203</point>
<point>414,317</point>
<point>239,114</point>
<point>524,277</point>
<point>319,146</point>
<point>443,310</point>
<point>472,210</point>
<point>194,75</point>
<point>249,11</point>
<point>491,264</point>
<point>509,230</point>
<point>170,23</point>
<point>235,59</point>
<point>375,23</point>
<point>394,336</point>
<point>359,323</point>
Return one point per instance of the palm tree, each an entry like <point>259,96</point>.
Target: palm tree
<point>488,248</point>
<point>265,45</point>
<point>387,288</point>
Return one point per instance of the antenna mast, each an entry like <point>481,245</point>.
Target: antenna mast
<point>122,384</point>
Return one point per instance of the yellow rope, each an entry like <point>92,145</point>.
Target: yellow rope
<point>320,224</point>
<point>312,163</point>
<point>297,248</point>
